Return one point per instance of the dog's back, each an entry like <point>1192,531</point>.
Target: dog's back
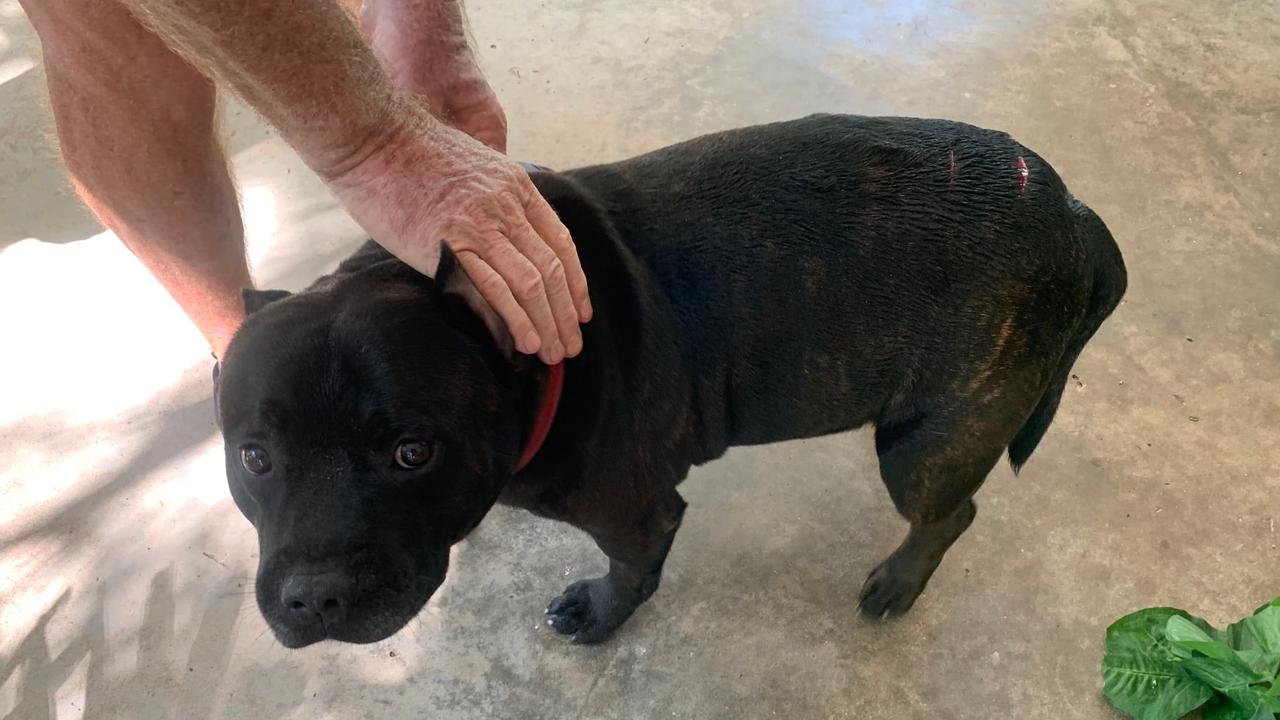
<point>836,270</point>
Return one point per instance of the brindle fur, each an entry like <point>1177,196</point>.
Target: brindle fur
<point>775,282</point>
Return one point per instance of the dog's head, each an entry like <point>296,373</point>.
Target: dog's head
<point>367,428</point>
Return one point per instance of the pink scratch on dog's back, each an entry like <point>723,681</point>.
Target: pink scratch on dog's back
<point>951,169</point>
<point>1024,174</point>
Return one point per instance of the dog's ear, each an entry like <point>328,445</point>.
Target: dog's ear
<point>453,284</point>
<point>255,300</point>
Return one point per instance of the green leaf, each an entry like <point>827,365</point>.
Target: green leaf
<point>1223,709</point>
<point>1202,654</point>
<point>1139,671</point>
<point>1224,675</point>
<point>1185,638</point>
<point>1162,663</point>
<point>1257,638</point>
<point>1210,660</point>
<point>1231,677</point>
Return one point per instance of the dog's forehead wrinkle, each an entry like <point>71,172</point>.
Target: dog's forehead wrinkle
<point>383,368</point>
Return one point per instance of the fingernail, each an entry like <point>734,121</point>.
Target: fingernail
<point>531,343</point>
<point>575,345</point>
<point>553,355</point>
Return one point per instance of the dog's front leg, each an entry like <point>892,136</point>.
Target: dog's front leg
<point>636,541</point>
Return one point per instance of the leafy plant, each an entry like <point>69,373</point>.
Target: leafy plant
<point>1163,663</point>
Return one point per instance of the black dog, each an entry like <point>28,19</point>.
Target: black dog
<point>790,280</point>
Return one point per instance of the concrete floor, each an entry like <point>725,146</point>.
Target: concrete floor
<point>123,564</point>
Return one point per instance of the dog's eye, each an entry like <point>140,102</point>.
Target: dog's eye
<point>412,454</point>
<point>255,459</point>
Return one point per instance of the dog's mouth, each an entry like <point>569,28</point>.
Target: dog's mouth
<point>302,609</point>
<point>375,619</point>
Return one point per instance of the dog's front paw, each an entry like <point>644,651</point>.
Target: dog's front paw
<point>589,610</point>
<point>889,591</point>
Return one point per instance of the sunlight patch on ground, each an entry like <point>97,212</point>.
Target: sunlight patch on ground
<point>62,475</point>
<point>261,221</point>
<point>98,336</point>
<point>208,489</point>
<point>10,69</point>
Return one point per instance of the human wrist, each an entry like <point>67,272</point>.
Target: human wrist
<point>367,151</point>
<point>397,183</point>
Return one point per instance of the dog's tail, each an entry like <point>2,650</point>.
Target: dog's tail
<point>1109,282</point>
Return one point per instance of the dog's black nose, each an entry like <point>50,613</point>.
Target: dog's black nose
<point>321,597</point>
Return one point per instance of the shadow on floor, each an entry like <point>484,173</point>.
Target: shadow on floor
<point>47,683</point>
<point>178,431</point>
<point>72,662</point>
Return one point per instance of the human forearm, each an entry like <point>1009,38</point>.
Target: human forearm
<point>408,179</point>
<point>302,64</point>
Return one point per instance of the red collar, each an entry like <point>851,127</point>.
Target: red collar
<point>547,404</point>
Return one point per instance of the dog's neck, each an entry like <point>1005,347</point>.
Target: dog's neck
<point>586,384</point>
<point>607,394</point>
<point>544,415</point>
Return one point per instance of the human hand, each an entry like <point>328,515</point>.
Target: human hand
<point>421,183</point>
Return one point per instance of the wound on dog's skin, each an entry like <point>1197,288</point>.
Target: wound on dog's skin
<point>1024,173</point>
<point>951,169</point>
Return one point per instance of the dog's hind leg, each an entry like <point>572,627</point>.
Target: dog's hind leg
<point>932,464</point>
<point>637,541</point>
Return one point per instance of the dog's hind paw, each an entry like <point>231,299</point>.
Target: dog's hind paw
<point>588,610</point>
